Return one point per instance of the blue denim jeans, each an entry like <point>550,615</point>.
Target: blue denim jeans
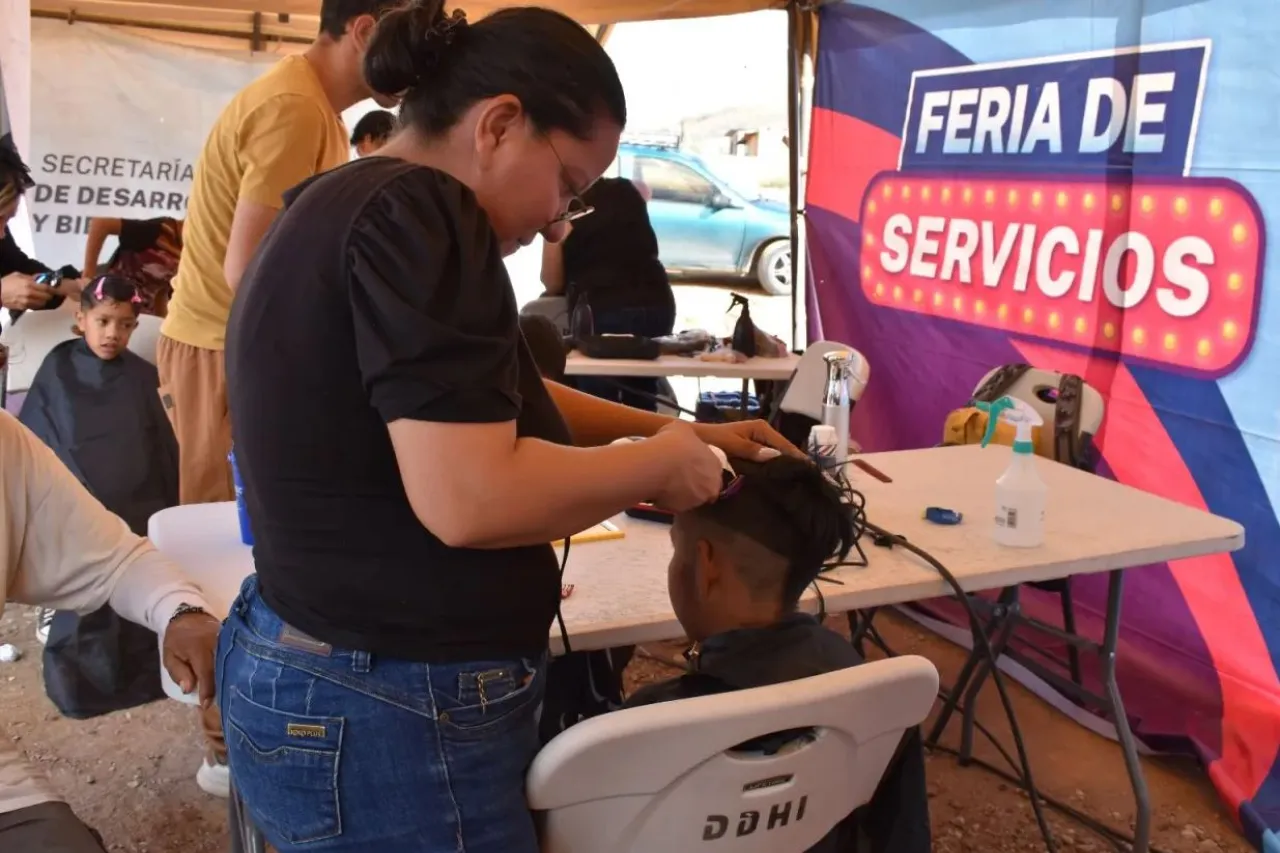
<point>339,750</point>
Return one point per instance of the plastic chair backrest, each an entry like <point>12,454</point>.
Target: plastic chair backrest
<point>667,777</point>
<point>1036,384</point>
<point>804,394</point>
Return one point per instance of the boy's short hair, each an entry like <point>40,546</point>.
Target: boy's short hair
<point>335,14</point>
<point>377,125</point>
<point>792,509</point>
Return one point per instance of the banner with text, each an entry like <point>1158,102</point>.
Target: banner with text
<point>117,123</point>
<point>1090,187</point>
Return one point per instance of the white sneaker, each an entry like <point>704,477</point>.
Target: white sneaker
<point>214,778</point>
<point>44,619</point>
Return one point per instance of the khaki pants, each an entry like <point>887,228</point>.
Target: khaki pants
<point>193,385</point>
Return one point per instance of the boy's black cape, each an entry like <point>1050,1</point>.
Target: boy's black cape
<point>105,422</point>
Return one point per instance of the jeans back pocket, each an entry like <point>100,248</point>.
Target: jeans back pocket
<point>476,699</point>
<point>285,767</point>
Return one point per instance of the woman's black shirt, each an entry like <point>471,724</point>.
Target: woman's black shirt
<point>380,294</point>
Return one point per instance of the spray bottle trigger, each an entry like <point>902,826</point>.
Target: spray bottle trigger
<point>994,410</point>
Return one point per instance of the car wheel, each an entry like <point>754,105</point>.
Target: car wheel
<point>773,268</point>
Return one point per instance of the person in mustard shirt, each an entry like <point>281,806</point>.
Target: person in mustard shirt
<point>283,128</point>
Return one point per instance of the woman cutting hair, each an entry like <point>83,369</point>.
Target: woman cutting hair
<point>19,291</point>
<point>405,465</point>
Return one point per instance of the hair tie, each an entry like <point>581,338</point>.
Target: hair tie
<point>97,293</point>
<point>437,39</point>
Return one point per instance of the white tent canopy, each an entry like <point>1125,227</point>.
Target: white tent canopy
<point>298,20</point>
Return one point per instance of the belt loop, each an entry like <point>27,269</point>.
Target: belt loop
<point>360,661</point>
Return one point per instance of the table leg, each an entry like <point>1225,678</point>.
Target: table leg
<point>245,837</point>
<point>746,389</point>
<point>966,673</point>
<point>1128,745</point>
<point>1005,623</point>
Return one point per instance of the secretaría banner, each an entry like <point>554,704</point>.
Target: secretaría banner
<point>118,121</point>
<point>1085,186</point>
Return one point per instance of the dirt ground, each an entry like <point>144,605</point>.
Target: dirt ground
<point>131,775</point>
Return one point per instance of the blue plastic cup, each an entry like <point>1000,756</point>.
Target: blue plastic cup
<point>246,530</point>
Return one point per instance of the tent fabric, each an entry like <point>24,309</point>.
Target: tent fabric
<point>237,16</point>
<point>950,145</point>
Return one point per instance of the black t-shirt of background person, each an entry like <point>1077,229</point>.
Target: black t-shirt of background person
<point>379,294</point>
<point>611,256</point>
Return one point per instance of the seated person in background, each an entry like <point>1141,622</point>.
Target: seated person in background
<point>98,407</point>
<point>546,344</point>
<point>148,256</point>
<point>18,289</point>
<point>60,548</point>
<point>610,261</point>
<point>372,132</point>
<point>739,568</point>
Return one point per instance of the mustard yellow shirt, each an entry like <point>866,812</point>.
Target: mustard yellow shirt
<point>276,133</point>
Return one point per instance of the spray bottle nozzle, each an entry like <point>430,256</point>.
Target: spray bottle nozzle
<point>1012,411</point>
<point>736,300</point>
<point>993,410</point>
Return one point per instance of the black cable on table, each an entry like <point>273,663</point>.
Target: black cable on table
<point>885,539</point>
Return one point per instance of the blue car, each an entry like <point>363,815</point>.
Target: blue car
<point>704,224</point>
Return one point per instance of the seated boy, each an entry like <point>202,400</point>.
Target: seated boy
<point>739,568</point>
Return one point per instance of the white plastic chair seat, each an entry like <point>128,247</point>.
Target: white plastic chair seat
<point>666,779</point>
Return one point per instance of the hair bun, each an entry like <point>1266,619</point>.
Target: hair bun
<point>409,45</point>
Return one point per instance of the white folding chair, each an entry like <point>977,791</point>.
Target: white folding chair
<point>1036,387</point>
<point>801,405</point>
<point>146,337</point>
<point>669,777</point>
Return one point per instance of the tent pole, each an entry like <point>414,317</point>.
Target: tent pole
<point>793,151</point>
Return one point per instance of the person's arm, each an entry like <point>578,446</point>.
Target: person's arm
<point>594,421</point>
<point>100,228</point>
<point>75,555</point>
<point>281,144</point>
<point>553,267</point>
<point>72,554</point>
<point>14,260</point>
<point>439,359</point>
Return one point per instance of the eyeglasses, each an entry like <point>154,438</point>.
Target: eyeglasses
<point>577,207</point>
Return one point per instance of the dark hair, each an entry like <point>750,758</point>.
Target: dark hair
<point>377,125</point>
<point>793,509</point>
<point>442,65</point>
<point>336,14</point>
<point>13,172</point>
<point>110,288</point>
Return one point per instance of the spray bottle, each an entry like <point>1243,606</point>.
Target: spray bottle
<point>1020,492</point>
<point>835,401</point>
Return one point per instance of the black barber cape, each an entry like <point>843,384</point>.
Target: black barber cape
<point>897,818</point>
<point>105,422</point>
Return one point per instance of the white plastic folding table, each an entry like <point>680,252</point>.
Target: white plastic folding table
<point>620,586</point>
